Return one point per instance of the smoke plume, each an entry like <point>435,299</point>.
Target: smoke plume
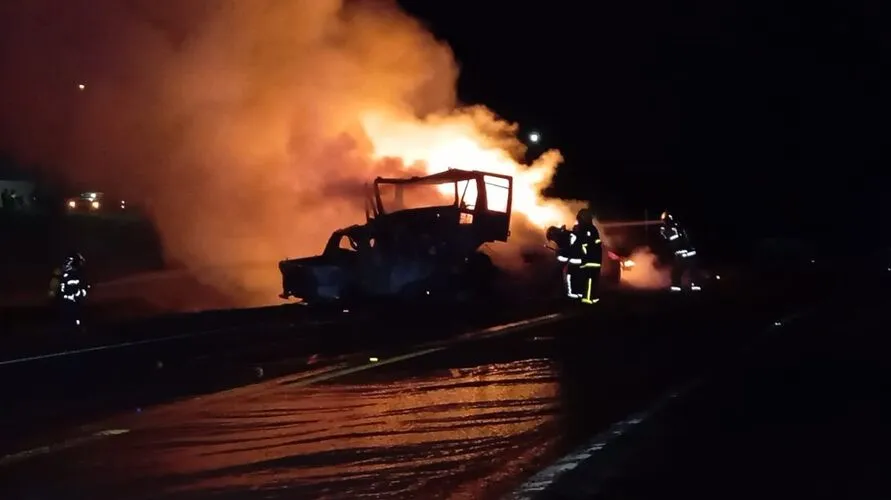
<point>246,128</point>
<point>647,273</point>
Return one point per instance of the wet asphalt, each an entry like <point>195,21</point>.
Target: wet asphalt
<point>422,413</point>
<point>803,415</point>
<point>89,375</point>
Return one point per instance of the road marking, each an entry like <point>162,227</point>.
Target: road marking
<point>64,445</point>
<point>485,333</point>
<point>360,368</point>
<point>549,475</point>
<point>499,330</point>
<point>122,345</point>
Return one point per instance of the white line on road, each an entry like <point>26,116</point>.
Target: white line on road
<point>485,333</point>
<point>495,331</point>
<point>549,475</point>
<point>361,368</point>
<point>122,345</point>
<point>64,445</point>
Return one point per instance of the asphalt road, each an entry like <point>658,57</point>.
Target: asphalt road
<point>804,415</point>
<point>99,374</point>
<point>463,417</point>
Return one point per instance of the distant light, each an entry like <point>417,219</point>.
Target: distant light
<point>717,276</point>
<point>72,204</point>
<point>81,86</point>
<point>534,137</point>
<point>373,360</point>
<point>95,205</point>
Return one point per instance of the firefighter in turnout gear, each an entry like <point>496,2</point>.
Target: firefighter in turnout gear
<point>588,248</point>
<point>70,289</point>
<point>564,240</point>
<point>683,253</point>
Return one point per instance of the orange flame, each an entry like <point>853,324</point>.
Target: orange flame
<point>458,140</point>
<point>248,129</point>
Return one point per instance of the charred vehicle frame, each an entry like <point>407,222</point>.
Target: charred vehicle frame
<point>415,241</point>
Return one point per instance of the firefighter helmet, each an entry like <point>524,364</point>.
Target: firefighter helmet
<point>584,216</point>
<point>75,259</point>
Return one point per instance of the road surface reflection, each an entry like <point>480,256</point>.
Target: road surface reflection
<point>448,434</point>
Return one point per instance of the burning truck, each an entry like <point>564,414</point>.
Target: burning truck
<point>422,237</point>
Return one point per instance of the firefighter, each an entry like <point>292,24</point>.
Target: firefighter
<point>683,253</point>
<point>564,240</point>
<point>588,244</point>
<point>72,290</point>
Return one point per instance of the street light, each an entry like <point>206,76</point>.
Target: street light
<point>81,86</point>
<point>534,137</point>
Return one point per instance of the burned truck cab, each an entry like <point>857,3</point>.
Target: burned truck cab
<point>457,207</point>
<point>421,234</point>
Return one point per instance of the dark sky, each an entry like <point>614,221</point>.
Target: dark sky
<point>769,114</point>
<point>763,116</point>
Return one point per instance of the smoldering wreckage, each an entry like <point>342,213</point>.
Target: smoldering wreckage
<point>409,248</point>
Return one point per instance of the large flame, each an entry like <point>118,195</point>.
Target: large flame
<point>247,128</point>
<point>463,140</point>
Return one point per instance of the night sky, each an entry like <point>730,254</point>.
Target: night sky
<point>747,119</point>
<point>767,118</point>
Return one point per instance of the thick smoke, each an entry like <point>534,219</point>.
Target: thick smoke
<point>246,128</point>
<point>648,273</point>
